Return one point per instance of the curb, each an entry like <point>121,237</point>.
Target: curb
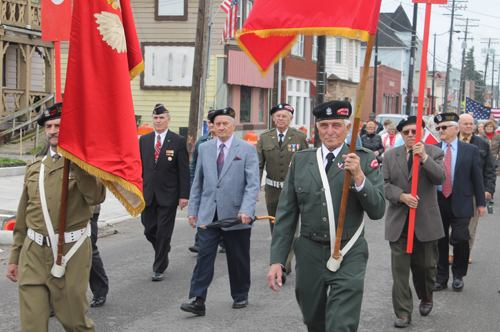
<point>12,171</point>
<point>6,237</point>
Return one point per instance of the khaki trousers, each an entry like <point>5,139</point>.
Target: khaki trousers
<point>39,291</point>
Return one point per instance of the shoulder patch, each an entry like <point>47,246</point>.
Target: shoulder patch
<point>374,163</point>
<point>34,161</point>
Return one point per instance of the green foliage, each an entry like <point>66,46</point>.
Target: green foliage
<point>6,162</point>
<point>35,150</point>
<point>472,74</point>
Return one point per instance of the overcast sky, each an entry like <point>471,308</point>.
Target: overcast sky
<point>487,14</point>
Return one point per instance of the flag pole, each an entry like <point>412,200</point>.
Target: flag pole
<point>418,134</point>
<point>352,148</point>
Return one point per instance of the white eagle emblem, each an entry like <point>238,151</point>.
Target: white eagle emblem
<point>329,111</point>
<point>111,29</point>
<point>439,117</point>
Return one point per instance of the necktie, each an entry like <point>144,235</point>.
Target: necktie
<point>56,157</point>
<point>410,161</point>
<point>157,148</point>
<point>330,158</point>
<point>220,160</point>
<point>280,141</point>
<point>447,166</point>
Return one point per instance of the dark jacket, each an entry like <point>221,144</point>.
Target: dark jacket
<point>194,157</point>
<point>489,174</point>
<point>373,142</point>
<point>379,128</point>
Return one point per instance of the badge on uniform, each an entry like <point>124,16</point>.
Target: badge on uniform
<point>289,147</point>
<point>170,154</point>
<point>294,147</point>
<point>298,147</point>
<point>374,163</point>
<point>341,166</point>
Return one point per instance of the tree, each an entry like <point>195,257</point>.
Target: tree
<point>472,74</point>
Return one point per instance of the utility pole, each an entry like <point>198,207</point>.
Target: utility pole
<point>492,79</point>
<point>375,66</point>
<point>320,80</point>
<point>409,95</point>
<point>448,63</point>
<point>489,51</point>
<point>433,73</point>
<point>461,93</point>
<point>487,55</point>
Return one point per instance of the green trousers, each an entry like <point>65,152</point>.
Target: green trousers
<point>39,291</point>
<point>330,301</point>
<point>423,265</point>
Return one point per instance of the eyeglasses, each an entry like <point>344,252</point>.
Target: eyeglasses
<point>407,132</point>
<point>438,128</point>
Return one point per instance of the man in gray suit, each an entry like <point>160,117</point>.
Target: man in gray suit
<point>226,184</point>
<point>397,172</point>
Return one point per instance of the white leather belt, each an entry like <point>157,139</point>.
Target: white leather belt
<point>274,184</point>
<point>69,237</point>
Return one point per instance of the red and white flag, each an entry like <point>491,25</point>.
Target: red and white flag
<point>429,138</point>
<point>231,8</point>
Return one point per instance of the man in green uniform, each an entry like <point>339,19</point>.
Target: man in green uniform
<point>329,301</point>
<point>275,149</point>
<point>32,256</point>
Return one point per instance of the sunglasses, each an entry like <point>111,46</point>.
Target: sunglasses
<point>407,132</point>
<point>438,128</point>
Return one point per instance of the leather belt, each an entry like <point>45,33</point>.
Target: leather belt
<point>274,184</point>
<point>69,237</point>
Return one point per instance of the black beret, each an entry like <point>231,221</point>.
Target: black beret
<point>445,117</point>
<point>337,109</point>
<point>159,109</point>
<point>50,113</point>
<point>225,111</point>
<point>210,114</point>
<point>409,120</point>
<point>281,107</point>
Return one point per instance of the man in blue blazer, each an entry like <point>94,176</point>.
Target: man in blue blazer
<point>226,184</point>
<point>464,179</point>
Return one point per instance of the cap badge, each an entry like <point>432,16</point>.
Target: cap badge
<point>439,117</point>
<point>46,113</point>
<point>329,111</point>
<point>288,107</point>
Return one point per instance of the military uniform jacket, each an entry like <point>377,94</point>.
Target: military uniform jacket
<point>303,194</point>
<point>397,179</point>
<point>84,191</point>
<point>275,159</point>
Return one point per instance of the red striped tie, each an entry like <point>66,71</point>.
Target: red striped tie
<point>447,166</point>
<point>157,148</point>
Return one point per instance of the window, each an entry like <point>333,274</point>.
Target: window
<point>239,21</point>
<point>356,61</point>
<point>262,94</point>
<point>315,48</point>
<point>298,47</point>
<point>338,50</point>
<point>249,8</point>
<point>245,104</point>
<point>290,85</point>
<point>298,97</point>
<point>171,10</point>
<point>167,66</point>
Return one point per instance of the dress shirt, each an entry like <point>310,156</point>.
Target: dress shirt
<point>162,137</point>
<point>284,134</point>
<point>465,139</point>
<point>227,146</point>
<point>336,152</point>
<point>52,154</point>
<point>454,151</point>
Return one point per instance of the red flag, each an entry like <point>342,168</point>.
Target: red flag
<point>98,129</point>
<point>429,138</point>
<point>231,9</point>
<point>272,26</point>
<point>56,20</point>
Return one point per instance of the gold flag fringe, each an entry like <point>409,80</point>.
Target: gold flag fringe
<point>330,31</point>
<point>136,70</point>
<point>109,181</point>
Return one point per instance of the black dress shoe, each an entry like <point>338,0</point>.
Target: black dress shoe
<point>222,250</point>
<point>426,306</point>
<point>197,309</point>
<point>402,322</point>
<point>98,301</point>
<point>439,286</point>
<point>157,276</point>
<point>283,277</point>
<point>288,271</point>
<point>240,304</point>
<point>194,248</point>
<point>458,285</point>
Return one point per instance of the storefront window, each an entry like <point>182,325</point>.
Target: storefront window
<point>245,104</point>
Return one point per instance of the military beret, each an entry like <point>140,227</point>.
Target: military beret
<point>225,111</point>
<point>159,109</point>
<point>50,113</point>
<point>281,107</point>
<point>409,120</point>
<point>337,109</point>
<point>210,114</point>
<point>445,117</point>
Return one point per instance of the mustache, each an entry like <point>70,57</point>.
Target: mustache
<point>53,135</point>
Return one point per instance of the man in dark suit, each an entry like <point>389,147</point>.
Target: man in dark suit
<point>466,127</point>
<point>464,179</point>
<point>226,185</point>
<point>397,172</point>
<point>165,172</point>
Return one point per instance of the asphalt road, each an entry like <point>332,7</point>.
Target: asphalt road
<point>137,304</point>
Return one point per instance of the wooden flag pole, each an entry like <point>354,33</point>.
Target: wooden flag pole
<point>352,148</point>
<point>418,134</point>
<point>57,46</point>
<point>62,213</point>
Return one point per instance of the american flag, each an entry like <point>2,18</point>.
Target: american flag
<point>231,8</point>
<point>480,112</point>
<point>496,113</point>
<point>451,97</point>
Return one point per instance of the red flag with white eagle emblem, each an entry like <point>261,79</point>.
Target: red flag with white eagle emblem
<point>98,129</point>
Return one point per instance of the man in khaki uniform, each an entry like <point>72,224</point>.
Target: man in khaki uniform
<point>32,258</point>
<point>275,149</point>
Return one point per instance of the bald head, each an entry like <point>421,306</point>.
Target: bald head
<point>466,125</point>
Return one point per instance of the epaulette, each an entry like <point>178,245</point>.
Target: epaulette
<point>298,131</point>
<point>34,161</point>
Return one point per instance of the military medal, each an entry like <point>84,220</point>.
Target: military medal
<point>289,147</point>
<point>169,153</point>
<point>169,158</point>
<point>341,166</point>
<point>298,147</point>
<point>293,147</point>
